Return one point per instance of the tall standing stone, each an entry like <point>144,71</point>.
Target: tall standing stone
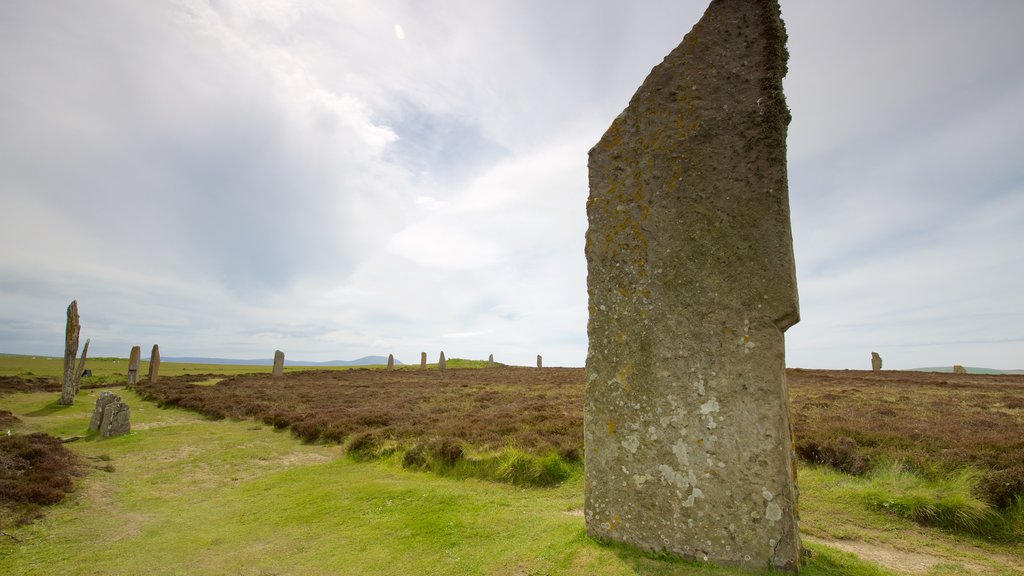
<point>691,283</point>
<point>391,361</point>
<point>490,361</point>
<point>133,365</point>
<point>81,366</point>
<point>540,361</point>
<point>154,364</point>
<point>423,360</point>
<point>876,362</point>
<point>278,369</point>
<point>958,369</point>
<point>71,330</point>
<point>441,364</point>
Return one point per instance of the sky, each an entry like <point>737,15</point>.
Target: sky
<point>345,178</point>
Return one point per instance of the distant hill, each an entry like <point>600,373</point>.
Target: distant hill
<point>364,361</point>
<point>970,370</point>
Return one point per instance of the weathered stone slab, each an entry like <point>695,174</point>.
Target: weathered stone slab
<point>111,416</point>
<point>391,361</point>
<point>441,364</point>
<point>876,362</point>
<point>958,369</point>
<point>154,364</point>
<point>540,361</point>
<point>80,371</point>
<point>278,370</point>
<point>101,403</point>
<point>692,283</point>
<point>71,330</point>
<point>133,365</point>
<point>423,360</point>
<point>116,419</point>
<point>490,361</point>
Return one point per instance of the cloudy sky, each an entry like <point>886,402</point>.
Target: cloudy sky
<point>340,178</point>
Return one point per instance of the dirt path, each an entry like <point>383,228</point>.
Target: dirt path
<point>907,562</point>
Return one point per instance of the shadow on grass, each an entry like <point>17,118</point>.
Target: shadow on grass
<point>50,408</point>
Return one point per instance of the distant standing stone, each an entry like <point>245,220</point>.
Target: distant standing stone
<point>278,370</point>
<point>154,364</point>
<point>692,283</point>
<point>441,364</point>
<point>958,369</point>
<point>490,361</point>
<point>133,365</point>
<point>540,361</point>
<point>876,362</point>
<point>81,366</point>
<point>391,361</point>
<point>71,330</point>
<point>423,360</point>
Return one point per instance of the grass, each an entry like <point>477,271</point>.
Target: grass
<point>187,495</point>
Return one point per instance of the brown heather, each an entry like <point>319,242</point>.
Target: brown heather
<point>35,470</point>
<point>852,420</point>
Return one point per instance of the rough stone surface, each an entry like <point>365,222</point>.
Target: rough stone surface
<point>540,361</point>
<point>116,419</point>
<point>80,371</point>
<point>490,361</point>
<point>958,369</point>
<point>111,417</point>
<point>133,365</point>
<point>97,413</point>
<point>278,370</point>
<point>692,283</point>
<point>67,392</point>
<point>423,360</point>
<point>154,364</point>
<point>441,364</point>
<point>391,361</point>
<point>876,362</point>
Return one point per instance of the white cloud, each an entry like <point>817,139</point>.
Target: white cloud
<point>233,177</point>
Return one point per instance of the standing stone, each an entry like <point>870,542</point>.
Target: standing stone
<point>441,364</point>
<point>278,370</point>
<point>691,281</point>
<point>540,361</point>
<point>97,413</point>
<point>116,420</point>
<point>133,365</point>
<point>876,362</point>
<point>423,360</point>
<point>391,361</point>
<point>111,417</point>
<point>490,361</point>
<point>958,369</point>
<point>154,364</point>
<point>67,391</point>
<point>81,366</point>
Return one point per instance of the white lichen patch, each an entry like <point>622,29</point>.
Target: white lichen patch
<point>631,443</point>
<point>773,512</point>
<point>709,406</point>
<point>640,480</point>
<point>682,453</point>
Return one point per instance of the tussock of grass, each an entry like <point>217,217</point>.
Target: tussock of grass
<point>947,501</point>
<point>446,457</point>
